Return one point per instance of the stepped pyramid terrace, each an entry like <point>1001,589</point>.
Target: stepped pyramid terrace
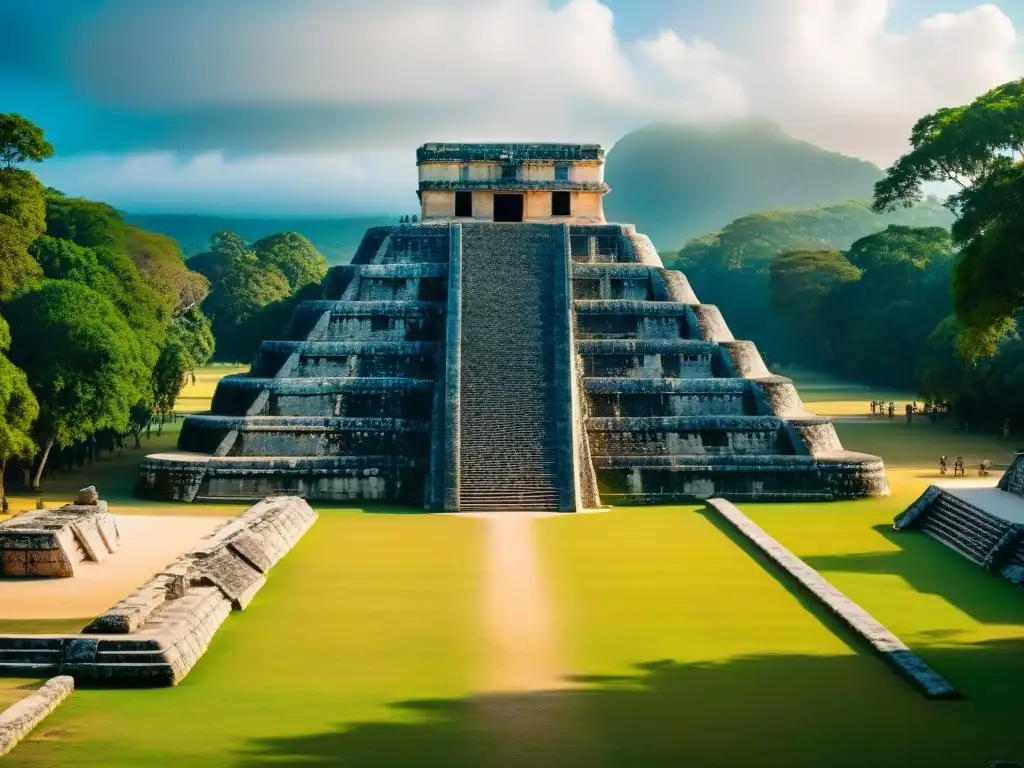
<point>511,351</point>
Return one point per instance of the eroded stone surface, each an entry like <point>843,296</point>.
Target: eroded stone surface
<point>49,543</point>
<point>362,401</point>
<point>155,635</point>
<point>88,496</point>
<point>18,720</point>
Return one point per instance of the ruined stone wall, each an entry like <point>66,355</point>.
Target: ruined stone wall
<point>18,720</point>
<point>50,543</point>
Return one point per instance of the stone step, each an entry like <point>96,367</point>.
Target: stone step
<point>30,655</point>
<point>955,539</point>
<point>42,643</point>
<point>27,669</point>
<point>508,445</point>
<point>969,518</point>
<point>130,657</point>
<point>951,505</point>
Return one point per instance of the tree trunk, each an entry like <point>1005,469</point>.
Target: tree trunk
<point>42,463</point>
<point>3,468</point>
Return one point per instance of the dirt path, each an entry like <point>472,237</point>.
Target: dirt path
<point>527,711</point>
<point>520,622</point>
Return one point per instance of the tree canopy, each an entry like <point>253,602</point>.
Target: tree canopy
<point>868,312</point>
<point>22,141</point>
<point>296,257</point>
<point>22,220</point>
<point>978,147</point>
<point>158,259</point>
<point>731,268</point>
<point>90,370</point>
<point>18,409</point>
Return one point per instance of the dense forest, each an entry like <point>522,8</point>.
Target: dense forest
<point>102,321</point>
<point>731,267</point>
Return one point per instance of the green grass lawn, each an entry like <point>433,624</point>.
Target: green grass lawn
<point>367,646</point>
<point>368,611</point>
<point>693,652</point>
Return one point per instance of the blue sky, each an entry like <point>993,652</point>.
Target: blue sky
<point>316,106</point>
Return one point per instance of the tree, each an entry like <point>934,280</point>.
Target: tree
<point>84,222</point>
<point>227,244</point>
<point>140,416</point>
<point>193,331</point>
<point>21,141</point>
<point>169,375</point>
<point>978,147</point>
<point>917,245</point>
<point>801,283</point>
<point>113,275</point>
<point>18,269</point>
<point>296,257</point>
<point>730,268</point>
<point>158,259</point>
<point>18,410</point>
<point>65,260</point>
<point>245,287</point>
<point>90,370</point>
<point>22,220</point>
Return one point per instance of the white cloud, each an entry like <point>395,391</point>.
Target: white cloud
<point>832,72</point>
<point>320,185</point>
<point>829,71</point>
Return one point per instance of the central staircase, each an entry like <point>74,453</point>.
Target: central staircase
<point>509,441</point>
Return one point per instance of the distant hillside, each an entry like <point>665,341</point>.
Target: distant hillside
<point>677,181</point>
<point>336,239</point>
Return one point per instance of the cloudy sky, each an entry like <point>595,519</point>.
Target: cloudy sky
<point>316,106</point>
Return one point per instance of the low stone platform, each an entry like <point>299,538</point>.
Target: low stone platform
<point>983,524</point>
<point>18,720</point>
<point>157,634</point>
<point>884,642</point>
<point>49,543</point>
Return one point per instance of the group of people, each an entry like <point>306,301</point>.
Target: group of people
<point>934,410</point>
<point>958,467</point>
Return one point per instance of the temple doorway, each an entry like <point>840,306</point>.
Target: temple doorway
<point>508,207</point>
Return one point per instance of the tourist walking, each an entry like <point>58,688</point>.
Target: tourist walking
<point>942,465</point>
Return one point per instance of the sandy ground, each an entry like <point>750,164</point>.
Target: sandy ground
<point>148,544</point>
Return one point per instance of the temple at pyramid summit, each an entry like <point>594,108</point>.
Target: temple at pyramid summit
<point>510,351</point>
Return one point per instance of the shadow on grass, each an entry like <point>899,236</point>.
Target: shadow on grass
<point>932,568</point>
<point>786,711</point>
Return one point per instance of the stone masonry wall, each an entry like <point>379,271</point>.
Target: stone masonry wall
<point>49,543</point>
<point>156,635</point>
